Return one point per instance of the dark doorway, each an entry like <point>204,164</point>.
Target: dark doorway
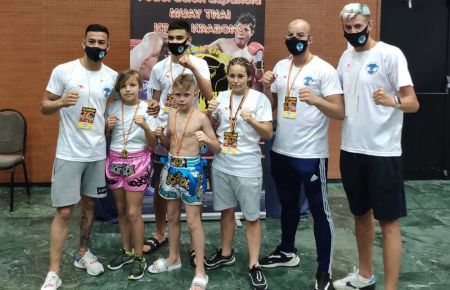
<point>421,29</point>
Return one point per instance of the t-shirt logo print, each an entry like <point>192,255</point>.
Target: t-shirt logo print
<point>372,68</point>
<point>106,92</point>
<point>309,81</point>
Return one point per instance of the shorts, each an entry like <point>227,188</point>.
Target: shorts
<point>157,168</point>
<point>229,189</point>
<point>373,182</point>
<point>131,173</point>
<point>70,179</point>
<point>184,178</point>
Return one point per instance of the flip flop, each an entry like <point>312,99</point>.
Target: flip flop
<point>192,258</point>
<point>200,281</point>
<point>154,244</point>
<point>160,266</point>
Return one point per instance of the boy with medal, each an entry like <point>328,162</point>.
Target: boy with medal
<point>160,89</point>
<point>78,90</point>
<point>307,91</point>
<point>183,177</point>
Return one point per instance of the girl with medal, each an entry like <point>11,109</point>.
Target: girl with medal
<point>244,116</point>
<point>128,168</point>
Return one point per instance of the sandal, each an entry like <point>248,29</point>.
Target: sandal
<point>200,281</point>
<point>154,244</point>
<point>192,258</point>
<point>160,266</point>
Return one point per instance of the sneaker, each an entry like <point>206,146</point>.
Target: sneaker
<point>279,259</point>
<point>52,281</point>
<point>90,263</point>
<point>257,278</point>
<point>138,269</point>
<point>323,281</point>
<point>217,260</point>
<point>121,259</point>
<point>354,281</point>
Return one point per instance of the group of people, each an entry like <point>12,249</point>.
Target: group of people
<point>164,136</point>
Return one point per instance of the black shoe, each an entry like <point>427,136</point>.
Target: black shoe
<point>121,259</point>
<point>279,259</point>
<point>217,260</point>
<point>138,269</point>
<point>323,281</point>
<point>257,278</point>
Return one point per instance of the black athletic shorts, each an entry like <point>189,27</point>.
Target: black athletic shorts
<point>373,182</point>
<point>157,168</point>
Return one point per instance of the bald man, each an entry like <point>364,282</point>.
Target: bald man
<point>307,92</point>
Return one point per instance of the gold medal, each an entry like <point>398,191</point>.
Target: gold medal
<point>124,153</point>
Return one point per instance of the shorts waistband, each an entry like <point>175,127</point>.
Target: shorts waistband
<point>136,154</point>
<point>182,161</point>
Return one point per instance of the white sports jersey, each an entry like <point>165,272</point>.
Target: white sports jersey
<point>94,87</point>
<point>369,128</point>
<point>306,136</point>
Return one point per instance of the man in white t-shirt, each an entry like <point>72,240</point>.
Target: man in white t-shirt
<point>160,90</point>
<point>377,89</point>
<point>78,90</point>
<point>307,92</point>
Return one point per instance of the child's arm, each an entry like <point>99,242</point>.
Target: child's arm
<point>111,121</point>
<point>149,134</point>
<point>159,131</point>
<point>207,135</point>
<point>264,129</point>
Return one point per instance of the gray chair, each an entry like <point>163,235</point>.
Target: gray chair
<point>13,136</point>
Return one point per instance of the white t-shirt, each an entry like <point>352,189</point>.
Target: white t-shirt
<point>161,80</point>
<point>306,136</point>
<point>373,129</point>
<point>94,87</point>
<point>136,140</point>
<point>247,161</point>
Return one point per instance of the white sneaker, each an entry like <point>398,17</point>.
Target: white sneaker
<point>354,281</point>
<point>90,263</point>
<point>52,281</point>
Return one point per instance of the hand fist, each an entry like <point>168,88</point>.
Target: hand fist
<point>381,98</point>
<point>71,98</point>
<point>159,131</point>
<point>306,95</point>
<point>153,108</point>
<point>212,105</point>
<point>185,61</point>
<point>139,120</point>
<point>246,115</point>
<point>111,122</point>
<point>268,79</point>
<point>201,137</point>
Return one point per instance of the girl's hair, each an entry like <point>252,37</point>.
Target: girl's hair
<point>184,81</point>
<point>246,64</point>
<point>125,76</point>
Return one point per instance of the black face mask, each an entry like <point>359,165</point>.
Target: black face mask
<point>296,46</point>
<point>177,48</point>
<point>357,39</point>
<point>95,53</point>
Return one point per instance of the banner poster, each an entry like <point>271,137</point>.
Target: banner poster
<point>220,30</point>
